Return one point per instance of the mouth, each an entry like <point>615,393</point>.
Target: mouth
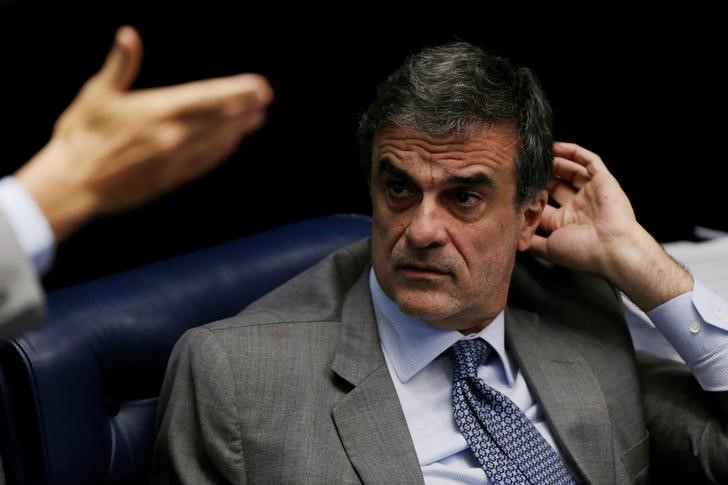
<point>422,271</point>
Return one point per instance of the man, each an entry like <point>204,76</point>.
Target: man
<point>111,150</point>
<point>434,352</point>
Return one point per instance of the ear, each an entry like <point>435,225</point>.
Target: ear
<point>531,213</point>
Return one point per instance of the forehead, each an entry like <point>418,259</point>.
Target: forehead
<point>493,147</point>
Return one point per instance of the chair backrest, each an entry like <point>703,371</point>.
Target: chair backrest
<point>79,391</point>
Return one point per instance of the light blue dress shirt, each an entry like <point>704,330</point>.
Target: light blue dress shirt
<point>422,374</point>
<point>30,226</point>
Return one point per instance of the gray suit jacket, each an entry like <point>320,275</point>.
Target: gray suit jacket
<point>21,297</point>
<point>295,388</point>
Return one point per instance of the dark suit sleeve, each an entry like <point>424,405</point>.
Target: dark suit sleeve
<point>688,426</point>
<point>199,437</point>
<point>21,297</point>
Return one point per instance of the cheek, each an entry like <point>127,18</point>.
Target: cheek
<point>386,234</point>
<point>488,250</point>
<point>387,229</point>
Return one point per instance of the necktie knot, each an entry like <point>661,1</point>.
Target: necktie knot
<point>467,356</point>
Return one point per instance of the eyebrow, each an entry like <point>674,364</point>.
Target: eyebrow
<point>385,166</point>
<point>476,179</point>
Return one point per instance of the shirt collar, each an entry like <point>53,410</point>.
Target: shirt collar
<point>411,344</point>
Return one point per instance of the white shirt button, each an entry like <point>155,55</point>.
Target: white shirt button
<point>694,327</point>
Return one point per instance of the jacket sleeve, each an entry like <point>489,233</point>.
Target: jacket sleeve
<point>21,296</point>
<point>199,438</point>
<point>688,426</point>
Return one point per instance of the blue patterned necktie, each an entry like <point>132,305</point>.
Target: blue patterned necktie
<point>507,445</point>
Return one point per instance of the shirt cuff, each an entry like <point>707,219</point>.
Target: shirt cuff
<point>30,226</point>
<point>695,324</point>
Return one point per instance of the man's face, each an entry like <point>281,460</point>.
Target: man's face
<point>446,226</point>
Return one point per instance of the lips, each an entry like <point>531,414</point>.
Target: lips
<point>423,268</point>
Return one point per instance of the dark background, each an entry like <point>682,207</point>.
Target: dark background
<point>647,94</point>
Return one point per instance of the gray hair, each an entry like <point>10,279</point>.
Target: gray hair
<point>450,89</point>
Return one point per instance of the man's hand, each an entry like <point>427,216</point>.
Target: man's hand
<point>114,149</point>
<point>594,229</point>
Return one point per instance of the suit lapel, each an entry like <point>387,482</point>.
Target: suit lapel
<point>369,419</point>
<point>570,395</point>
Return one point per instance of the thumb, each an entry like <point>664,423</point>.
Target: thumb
<point>124,60</point>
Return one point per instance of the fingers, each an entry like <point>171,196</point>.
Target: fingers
<point>253,122</point>
<point>580,155</point>
<point>571,172</point>
<point>539,246</point>
<point>550,219</point>
<point>202,145</point>
<point>199,157</point>
<point>229,96</point>
<point>560,191</point>
<point>123,62</point>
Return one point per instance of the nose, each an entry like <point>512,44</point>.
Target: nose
<point>428,226</point>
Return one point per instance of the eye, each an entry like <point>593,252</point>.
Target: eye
<point>466,199</point>
<point>397,190</point>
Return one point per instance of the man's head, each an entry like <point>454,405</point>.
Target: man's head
<point>457,147</point>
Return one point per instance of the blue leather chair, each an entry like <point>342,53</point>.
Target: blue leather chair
<point>78,392</point>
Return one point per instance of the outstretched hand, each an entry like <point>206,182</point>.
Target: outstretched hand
<point>113,149</point>
<point>594,229</point>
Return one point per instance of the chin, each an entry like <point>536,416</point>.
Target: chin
<point>426,306</point>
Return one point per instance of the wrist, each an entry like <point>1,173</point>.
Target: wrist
<point>639,266</point>
<point>49,179</point>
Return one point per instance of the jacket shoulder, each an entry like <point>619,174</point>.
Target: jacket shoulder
<point>315,295</point>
